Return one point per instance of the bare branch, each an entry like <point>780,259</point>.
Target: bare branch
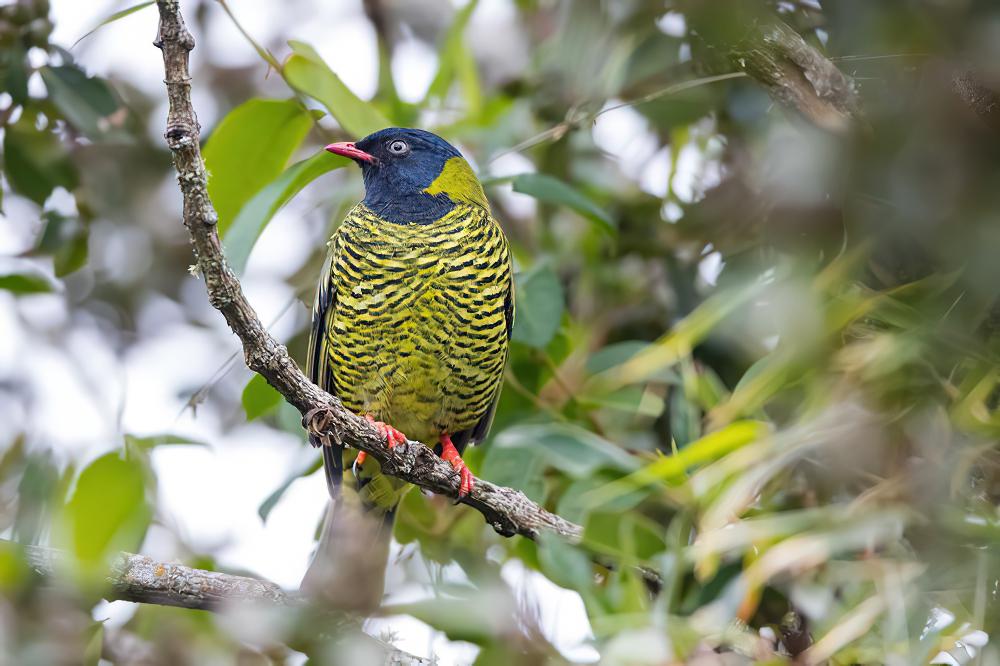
<point>798,76</point>
<point>984,101</point>
<point>794,73</point>
<point>508,511</point>
<point>144,580</point>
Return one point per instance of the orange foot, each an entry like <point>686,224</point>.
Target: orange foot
<point>450,454</point>
<point>392,437</point>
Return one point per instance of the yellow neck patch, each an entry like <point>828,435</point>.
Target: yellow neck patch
<point>459,183</point>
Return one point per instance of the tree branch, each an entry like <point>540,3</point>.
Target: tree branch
<point>144,580</point>
<point>794,73</point>
<point>797,76</point>
<point>508,511</point>
<point>984,101</point>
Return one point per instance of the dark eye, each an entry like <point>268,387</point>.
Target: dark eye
<point>398,147</point>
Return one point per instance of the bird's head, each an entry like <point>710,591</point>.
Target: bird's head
<point>412,175</point>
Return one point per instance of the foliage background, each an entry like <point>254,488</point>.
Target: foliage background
<point>753,355</point>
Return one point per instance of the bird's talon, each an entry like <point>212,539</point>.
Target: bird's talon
<point>392,436</point>
<point>358,462</point>
<point>450,454</point>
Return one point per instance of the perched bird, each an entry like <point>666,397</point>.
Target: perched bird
<point>411,325</point>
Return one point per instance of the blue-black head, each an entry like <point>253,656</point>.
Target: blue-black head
<point>411,175</point>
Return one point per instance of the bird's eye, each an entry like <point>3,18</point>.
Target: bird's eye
<point>398,147</point>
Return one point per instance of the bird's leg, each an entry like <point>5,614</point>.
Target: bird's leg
<point>392,437</point>
<point>450,454</point>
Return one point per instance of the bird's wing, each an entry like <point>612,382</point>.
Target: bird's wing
<point>318,362</point>
<point>479,431</point>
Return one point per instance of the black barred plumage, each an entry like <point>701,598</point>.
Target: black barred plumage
<point>417,335</point>
<point>411,324</point>
<point>413,313</point>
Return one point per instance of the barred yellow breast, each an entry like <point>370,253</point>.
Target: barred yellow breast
<point>416,335</point>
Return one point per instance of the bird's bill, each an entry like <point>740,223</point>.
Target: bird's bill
<point>348,149</point>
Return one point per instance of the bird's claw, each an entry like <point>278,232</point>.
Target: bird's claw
<point>450,454</point>
<point>392,436</point>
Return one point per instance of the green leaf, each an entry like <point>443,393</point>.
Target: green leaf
<point>256,213</point>
<point>614,354</point>
<point>456,61</point>
<point>65,239</point>
<point>520,467</point>
<point>37,491</point>
<point>452,616</point>
<point>306,72</point>
<point>569,448</point>
<point>676,344</point>
<point>564,564</point>
<point>93,645</point>
<point>86,102</point>
<point>108,511</point>
<point>249,149</point>
<point>670,469</point>
<point>259,397</point>
<point>539,306</point>
<point>552,190</point>
<point>26,283</point>
<point>150,442</point>
<point>35,161</point>
<point>14,72</point>
<point>685,418</point>
<point>114,17</point>
<point>265,508</point>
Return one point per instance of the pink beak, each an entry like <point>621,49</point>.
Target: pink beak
<point>348,149</point>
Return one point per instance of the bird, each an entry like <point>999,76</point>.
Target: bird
<point>411,324</point>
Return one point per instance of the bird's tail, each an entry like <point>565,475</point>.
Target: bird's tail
<point>348,568</point>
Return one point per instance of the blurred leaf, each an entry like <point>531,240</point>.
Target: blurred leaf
<point>66,240</point>
<point>565,565</point>
<point>114,17</point>
<point>614,354</point>
<point>265,508</point>
<point>552,190</point>
<point>26,283</point>
<point>14,569</point>
<point>569,448</point>
<point>633,400</point>
<point>574,507</point>
<point>627,535</point>
<point>94,644</point>
<point>306,72</point>
<point>520,468</point>
<point>259,397</point>
<point>671,468</point>
<point>14,73</point>
<point>455,619</point>
<point>37,492</point>
<point>86,102</point>
<point>539,309</point>
<point>680,341</point>
<point>256,213</point>
<point>685,418</point>
<point>35,161</point>
<point>249,149</point>
<point>108,511</point>
<point>150,442</point>
<point>456,61</point>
